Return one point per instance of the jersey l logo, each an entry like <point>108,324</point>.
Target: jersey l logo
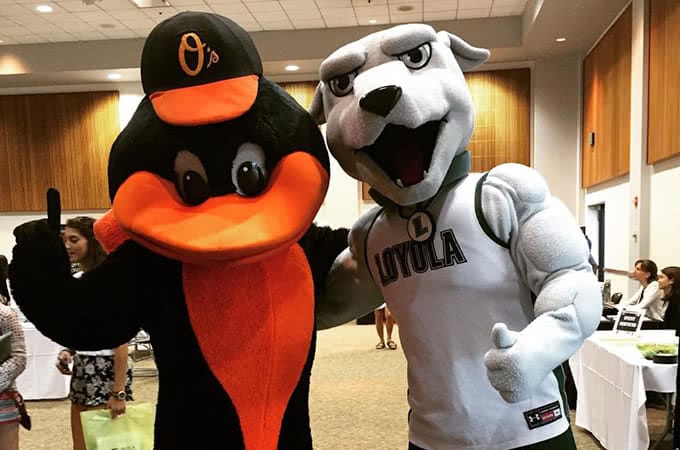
<point>420,226</point>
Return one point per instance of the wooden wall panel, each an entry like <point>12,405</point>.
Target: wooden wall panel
<point>663,136</point>
<point>606,104</point>
<point>502,101</point>
<point>56,140</point>
<point>302,91</point>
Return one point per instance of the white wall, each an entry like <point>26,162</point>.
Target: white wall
<point>130,96</point>
<point>664,246</point>
<point>341,206</point>
<point>556,112</point>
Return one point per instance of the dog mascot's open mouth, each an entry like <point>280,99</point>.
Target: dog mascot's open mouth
<point>405,153</point>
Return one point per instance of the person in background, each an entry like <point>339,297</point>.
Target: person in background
<point>591,259</point>
<point>4,289</point>
<point>668,283</point>
<point>668,279</point>
<point>384,321</point>
<point>4,273</point>
<point>648,296</point>
<point>10,368</point>
<point>99,379</point>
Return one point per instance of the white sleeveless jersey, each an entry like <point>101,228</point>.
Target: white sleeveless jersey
<point>446,294</point>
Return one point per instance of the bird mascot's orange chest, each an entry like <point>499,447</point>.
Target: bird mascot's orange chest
<point>254,325</point>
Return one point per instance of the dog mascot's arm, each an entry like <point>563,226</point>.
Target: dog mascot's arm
<point>97,311</point>
<point>350,291</point>
<point>551,255</point>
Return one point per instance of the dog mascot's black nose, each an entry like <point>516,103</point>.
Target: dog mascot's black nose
<point>381,101</point>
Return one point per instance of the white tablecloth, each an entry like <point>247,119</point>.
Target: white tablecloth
<point>611,378</point>
<point>41,379</point>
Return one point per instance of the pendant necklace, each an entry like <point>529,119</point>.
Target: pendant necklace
<point>420,224</point>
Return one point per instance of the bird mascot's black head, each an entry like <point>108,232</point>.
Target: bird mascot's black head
<point>214,185</point>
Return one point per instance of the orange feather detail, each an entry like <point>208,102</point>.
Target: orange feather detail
<point>254,325</point>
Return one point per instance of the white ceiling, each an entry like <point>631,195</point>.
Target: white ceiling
<point>74,20</point>
<point>81,44</point>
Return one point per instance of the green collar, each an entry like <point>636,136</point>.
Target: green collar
<point>459,168</point>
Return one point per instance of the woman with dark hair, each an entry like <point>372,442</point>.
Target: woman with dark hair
<point>11,367</point>
<point>100,379</point>
<point>81,245</point>
<point>648,296</point>
<point>668,279</point>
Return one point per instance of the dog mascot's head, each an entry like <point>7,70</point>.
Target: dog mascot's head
<point>398,109</point>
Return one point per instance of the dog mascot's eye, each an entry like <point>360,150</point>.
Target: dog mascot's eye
<point>248,171</point>
<point>418,57</point>
<point>342,85</point>
<point>191,180</point>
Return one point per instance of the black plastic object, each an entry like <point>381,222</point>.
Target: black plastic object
<point>53,209</point>
<point>664,358</point>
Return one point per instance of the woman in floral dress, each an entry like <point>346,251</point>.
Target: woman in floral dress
<point>99,379</point>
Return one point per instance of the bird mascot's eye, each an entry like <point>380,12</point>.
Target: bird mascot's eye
<point>248,172</point>
<point>418,57</point>
<point>343,84</point>
<point>191,180</point>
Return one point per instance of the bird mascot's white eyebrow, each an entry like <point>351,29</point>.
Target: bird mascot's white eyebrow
<point>486,274</point>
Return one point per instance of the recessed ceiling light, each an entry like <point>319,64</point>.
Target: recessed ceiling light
<point>292,68</point>
<point>113,76</point>
<point>372,21</point>
<point>43,8</point>
<point>1,41</point>
<point>150,3</point>
<point>561,39</point>
<point>405,8</point>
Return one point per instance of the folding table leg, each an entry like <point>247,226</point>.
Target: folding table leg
<point>668,428</point>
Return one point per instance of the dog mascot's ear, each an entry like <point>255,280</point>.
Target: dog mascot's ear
<point>316,108</point>
<point>468,57</point>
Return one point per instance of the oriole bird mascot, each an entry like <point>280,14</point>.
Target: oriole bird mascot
<point>486,274</point>
<point>214,185</point>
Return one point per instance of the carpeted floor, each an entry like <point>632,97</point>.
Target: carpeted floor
<point>358,399</point>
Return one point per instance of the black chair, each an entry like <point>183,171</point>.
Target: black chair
<point>142,349</point>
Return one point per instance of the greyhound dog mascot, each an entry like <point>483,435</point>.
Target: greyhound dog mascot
<point>457,256</point>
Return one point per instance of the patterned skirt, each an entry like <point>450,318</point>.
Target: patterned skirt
<point>8,408</point>
<point>92,380</point>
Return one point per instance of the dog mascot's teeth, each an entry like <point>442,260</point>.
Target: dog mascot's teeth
<point>399,182</point>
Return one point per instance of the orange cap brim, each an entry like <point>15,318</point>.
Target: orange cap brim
<point>206,103</point>
<point>226,228</point>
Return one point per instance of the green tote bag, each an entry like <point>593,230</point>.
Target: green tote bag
<point>130,431</point>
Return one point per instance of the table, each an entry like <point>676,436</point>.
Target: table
<point>41,380</point>
<point>607,323</point>
<point>611,377</point>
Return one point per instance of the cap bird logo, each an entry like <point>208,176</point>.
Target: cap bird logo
<point>186,46</point>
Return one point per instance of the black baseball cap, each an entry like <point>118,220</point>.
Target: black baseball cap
<point>200,68</point>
